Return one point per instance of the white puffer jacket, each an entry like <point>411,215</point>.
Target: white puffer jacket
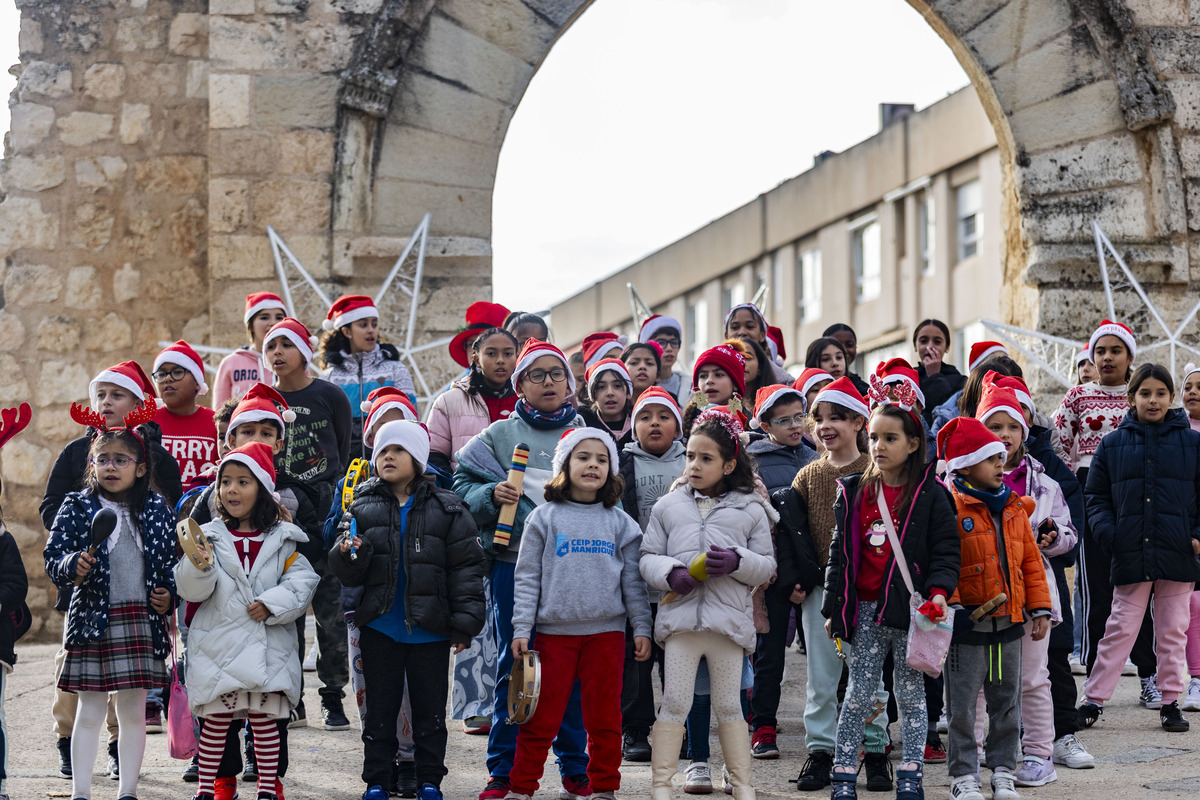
<point>226,649</point>
<point>677,534</point>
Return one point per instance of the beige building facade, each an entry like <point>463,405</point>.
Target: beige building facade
<point>901,227</point>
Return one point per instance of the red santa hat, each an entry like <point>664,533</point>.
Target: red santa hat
<point>1117,329</point>
<point>349,308</point>
<point>653,325</point>
<point>574,436</point>
<point>1015,385</point>
<point>843,393</point>
<point>182,354</point>
<point>997,398</point>
<point>129,375</point>
<point>981,351</point>
<point>726,358</point>
<point>592,374</point>
<point>770,396</point>
<point>775,340</point>
<point>260,404</point>
<point>656,395</point>
<point>964,441</point>
<point>810,378</point>
<point>480,317</point>
<point>597,346</point>
<point>762,321</point>
<point>256,457</point>
<point>531,352</point>
<point>407,434</point>
<point>898,370</point>
<point>261,301</point>
<point>294,331</point>
<point>382,400</point>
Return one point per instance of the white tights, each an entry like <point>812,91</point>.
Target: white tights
<point>682,657</point>
<point>131,739</point>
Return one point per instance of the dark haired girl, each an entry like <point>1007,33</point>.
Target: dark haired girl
<point>713,528</point>
<point>939,380</point>
<point>849,340</point>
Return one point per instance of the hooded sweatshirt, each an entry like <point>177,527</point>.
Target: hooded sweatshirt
<point>653,476</point>
<point>237,372</point>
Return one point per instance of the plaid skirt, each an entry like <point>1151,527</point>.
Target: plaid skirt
<point>122,659</point>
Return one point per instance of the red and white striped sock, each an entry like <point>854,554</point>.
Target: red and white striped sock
<point>266,750</point>
<point>212,746</point>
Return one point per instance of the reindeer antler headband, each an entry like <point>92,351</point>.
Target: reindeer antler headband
<point>905,396</point>
<point>139,416</point>
<point>13,421</point>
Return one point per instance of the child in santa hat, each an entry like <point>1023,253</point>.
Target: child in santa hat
<point>253,554</point>
<point>245,367</point>
<point>611,391</point>
<point>667,333</point>
<point>188,431</point>
<point>427,602</point>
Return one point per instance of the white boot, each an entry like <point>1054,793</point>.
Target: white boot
<point>665,739</point>
<point>735,747</point>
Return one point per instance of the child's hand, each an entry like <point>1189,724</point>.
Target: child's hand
<point>257,611</point>
<point>84,564</point>
<point>1196,546</point>
<point>1041,626</point>
<point>1047,533</point>
<point>284,514</point>
<point>457,648</point>
<point>798,595</point>
<point>519,647</point>
<point>681,581</point>
<point>347,543</point>
<point>940,602</point>
<point>160,600</point>
<point>829,628</point>
<point>722,561</point>
<point>505,494</point>
<point>641,648</point>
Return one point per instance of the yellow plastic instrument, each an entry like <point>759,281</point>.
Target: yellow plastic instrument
<point>698,569</point>
<point>360,470</point>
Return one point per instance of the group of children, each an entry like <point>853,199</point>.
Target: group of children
<point>692,522</point>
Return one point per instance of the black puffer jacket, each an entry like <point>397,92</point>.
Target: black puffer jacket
<point>442,560</point>
<point>929,538</point>
<point>795,553</point>
<point>939,386</point>
<point>14,585</point>
<point>1143,499</point>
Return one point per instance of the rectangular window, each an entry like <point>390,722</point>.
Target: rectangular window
<point>867,251</point>
<point>777,281</point>
<point>970,219</point>
<point>928,224</point>
<point>697,330</point>
<point>808,284</point>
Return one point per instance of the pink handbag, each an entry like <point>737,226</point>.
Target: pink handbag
<point>928,641</point>
<point>181,733</point>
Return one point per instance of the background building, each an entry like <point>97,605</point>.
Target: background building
<point>903,226</point>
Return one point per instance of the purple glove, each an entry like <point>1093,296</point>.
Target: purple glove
<point>722,561</point>
<point>681,581</point>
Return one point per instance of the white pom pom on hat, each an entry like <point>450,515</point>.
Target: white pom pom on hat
<point>289,416</point>
<point>327,324</point>
<point>365,406</point>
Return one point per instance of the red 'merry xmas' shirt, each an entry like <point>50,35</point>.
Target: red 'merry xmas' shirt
<point>192,440</point>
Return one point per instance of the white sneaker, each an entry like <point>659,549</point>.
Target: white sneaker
<point>1129,669</point>
<point>1150,697</point>
<point>1071,753</point>
<point>943,724</point>
<point>1002,785</point>
<point>1077,666</point>
<point>725,779</point>
<point>697,779</point>
<point>1035,771</point>
<point>965,787</point>
<point>1192,701</point>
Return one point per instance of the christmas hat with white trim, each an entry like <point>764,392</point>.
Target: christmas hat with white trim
<point>810,378</point>
<point>898,370</point>
<point>964,441</point>
<point>656,323</point>
<point>261,301</point>
<point>129,375</point>
<point>597,346</point>
<point>260,404</point>
<point>1014,384</point>
<point>615,365</point>
<point>349,308</point>
<point>183,355</point>
<point>770,396</point>
<point>573,436</point>
<point>842,392</point>
<point>531,352</point>
<point>407,434</point>
<point>981,351</point>
<point>1117,329</point>
<point>656,395</point>
<point>382,400</point>
<point>294,331</point>
<point>997,398</point>
<point>256,457</point>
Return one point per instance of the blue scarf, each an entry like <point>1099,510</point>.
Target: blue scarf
<point>994,501</point>
<point>546,421</point>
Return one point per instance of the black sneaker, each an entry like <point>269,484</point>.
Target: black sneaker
<point>298,719</point>
<point>114,762</point>
<point>64,756</point>
<point>814,775</point>
<point>1088,714</point>
<point>334,717</point>
<point>636,745</point>
<point>1172,718</point>
<point>192,773</point>
<point>879,772</point>
<point>406,779</point>
<point>250,772</point>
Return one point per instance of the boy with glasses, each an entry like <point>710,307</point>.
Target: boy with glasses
<point>188,431</point>
<point>666,332</point>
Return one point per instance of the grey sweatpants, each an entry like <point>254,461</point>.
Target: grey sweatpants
<point>997,669</point>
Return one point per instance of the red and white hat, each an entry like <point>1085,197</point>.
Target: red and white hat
<point>770,396</point>
<point>382,400</point>
<point>810,378</point>
<point>407,434</point>
<point>981,351</point>
<point>898,370</point>
<point>964,441</point>
<point>726,358</point>
<point>656,323</point>
<point>775,340</point>
<point>256,457</point>
<point>1084,356</point>
<point>480,317</point>
<point>997,398</point>
<point>593,373</point>
<point>656,395</point>
<point>1110,328</point>
<point>762,321</point>
<point>1015,385</point>
<point>349,308</point>
<point>294,331</point>
<point>597,346</point>
<point>182,354</point>
<point>261,403</point>
<point>574,436</point>
<point>843,393</point>
<point>261,301</point>
<point>531,352</point>
<point>129,375</point>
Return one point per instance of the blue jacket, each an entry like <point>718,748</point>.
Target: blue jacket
<point>776,464</point>
<point>70,535</point>
<point>1143,499</point>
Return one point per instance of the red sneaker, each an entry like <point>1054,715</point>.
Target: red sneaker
<point>762,743</point>
<point>278,789</point>
<point>575,787</point>
<point>225,789</point>
<point>476,726</point>
<point>496,789</point>
<point>934,751</point>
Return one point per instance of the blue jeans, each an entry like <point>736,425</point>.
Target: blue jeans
<point>571,743</point>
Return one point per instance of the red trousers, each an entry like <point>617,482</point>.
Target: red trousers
<point>598,662</point>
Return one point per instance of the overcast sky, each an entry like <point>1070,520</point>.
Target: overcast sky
<point>650,118</point>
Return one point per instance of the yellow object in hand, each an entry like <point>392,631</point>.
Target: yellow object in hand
<point>699,567</point>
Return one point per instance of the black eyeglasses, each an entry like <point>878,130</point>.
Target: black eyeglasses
<point>665,343</point>
<point>558,375</point>
<point>172,375</point>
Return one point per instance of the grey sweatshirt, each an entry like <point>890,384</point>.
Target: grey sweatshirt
<point>578,572</point>
<point>654,475</point>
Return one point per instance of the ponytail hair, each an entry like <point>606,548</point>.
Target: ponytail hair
<point>914,465</point>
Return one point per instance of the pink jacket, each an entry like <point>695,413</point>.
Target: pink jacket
<point>454,419</point>
<point>237,372</point>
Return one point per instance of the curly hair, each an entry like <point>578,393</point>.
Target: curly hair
<point>731,449</point>
<point>334,343</point>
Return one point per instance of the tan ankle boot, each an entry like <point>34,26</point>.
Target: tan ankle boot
<point>735,748</point>
<point>665,739</point>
